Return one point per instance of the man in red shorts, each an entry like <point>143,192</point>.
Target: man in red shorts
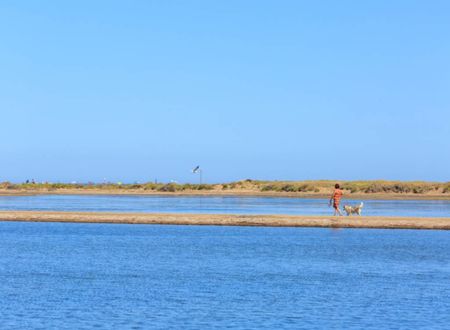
<point>336,199</point>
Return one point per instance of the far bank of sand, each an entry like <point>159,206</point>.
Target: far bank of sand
<point>229,220</point>
<point>242,193</point>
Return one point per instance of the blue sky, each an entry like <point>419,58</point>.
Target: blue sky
<point>288,90</point>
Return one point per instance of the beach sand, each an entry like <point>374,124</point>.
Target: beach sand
<point>236,193</point>
<point>229,220</point>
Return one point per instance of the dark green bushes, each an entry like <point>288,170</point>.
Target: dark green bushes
<point>290,187</point>
<point>446,188</point>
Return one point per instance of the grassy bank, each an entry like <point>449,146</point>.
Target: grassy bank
<point>291,188</point>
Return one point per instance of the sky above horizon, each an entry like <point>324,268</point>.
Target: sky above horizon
<point>275,90</point>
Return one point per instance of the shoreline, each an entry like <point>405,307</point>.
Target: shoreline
<point>374,222</point>
<point>230,193</point>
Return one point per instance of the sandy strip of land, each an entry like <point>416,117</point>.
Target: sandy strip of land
<point>229,220</point>
<point>229,193</point>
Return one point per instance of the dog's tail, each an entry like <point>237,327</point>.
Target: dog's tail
<point>361,205</point>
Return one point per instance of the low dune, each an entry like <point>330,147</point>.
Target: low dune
<point>299,189</point>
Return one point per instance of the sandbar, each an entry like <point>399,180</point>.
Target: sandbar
<point>230,220</point>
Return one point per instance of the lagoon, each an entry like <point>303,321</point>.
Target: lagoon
<point>80,276</point>
<point>219,205</point>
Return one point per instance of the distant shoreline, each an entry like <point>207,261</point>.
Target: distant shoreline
<point>353,190</point>
<point>229,220</point>
<point>228,193</point>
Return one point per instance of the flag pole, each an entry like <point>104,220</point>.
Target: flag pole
<point>198,170</point>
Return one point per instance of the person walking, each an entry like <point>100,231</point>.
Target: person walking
<point>336,199</point>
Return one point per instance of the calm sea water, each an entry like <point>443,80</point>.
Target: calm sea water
<point>212,204</point>
<point>83,276</point>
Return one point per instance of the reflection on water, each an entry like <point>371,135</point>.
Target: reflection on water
<point>84,276</point>
<point>219,204</point>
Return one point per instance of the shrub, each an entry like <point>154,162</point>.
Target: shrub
<point>308,188</point>
<point>353,189</point>
<point>7,185</point>
<point>446,188</point>
<point>170,187</point>
<point>373,188</point>
<point>150,186</point>
<point>271,187</point>
<point>133,186</point>
<point>205,187</point>
<point>289,188</point>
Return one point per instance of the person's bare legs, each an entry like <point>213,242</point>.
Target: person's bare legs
<point>337,211</point>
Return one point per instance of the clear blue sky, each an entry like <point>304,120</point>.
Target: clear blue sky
<point>288,90</point>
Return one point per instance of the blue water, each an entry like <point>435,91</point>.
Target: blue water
<point>226,204</point>
<point>83,276</point>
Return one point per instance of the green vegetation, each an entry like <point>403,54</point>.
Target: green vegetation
<point>290,187</point>
<point>306,187</point>
<point>397,187</point>
<point>163,187</point>
<point>446,189</point>
<point>354,187</point>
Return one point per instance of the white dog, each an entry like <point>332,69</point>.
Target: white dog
<point>353,209</point>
